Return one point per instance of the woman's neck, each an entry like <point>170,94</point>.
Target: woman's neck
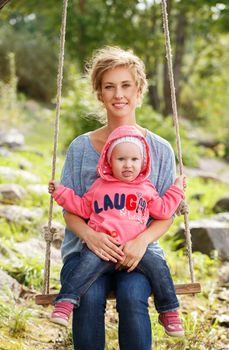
<point>112,125</point>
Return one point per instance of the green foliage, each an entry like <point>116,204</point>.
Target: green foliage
<point>29,272</point>
<point>163,127</point>
<point>14,316</point>
<point>205,98</point>
<point>36,61</point>
<point>80,108</point>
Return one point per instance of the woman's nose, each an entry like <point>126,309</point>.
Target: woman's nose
<point>118,93</point>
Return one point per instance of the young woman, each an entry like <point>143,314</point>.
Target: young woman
<point>118,78</point>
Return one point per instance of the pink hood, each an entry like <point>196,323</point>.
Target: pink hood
<point>104,169</point>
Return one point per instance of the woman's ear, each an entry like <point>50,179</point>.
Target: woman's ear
<point>99,96</point>
<point>139,98</point>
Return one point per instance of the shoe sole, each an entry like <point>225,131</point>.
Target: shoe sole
<point>172,334</point>
<point>59,321</point>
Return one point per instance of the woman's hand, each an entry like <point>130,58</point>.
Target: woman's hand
<point>104,246</point>
<point>134,251</point>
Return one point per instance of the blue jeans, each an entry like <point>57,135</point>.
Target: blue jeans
<point>85,272</point>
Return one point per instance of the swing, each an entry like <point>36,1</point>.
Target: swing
<point>191,288</point>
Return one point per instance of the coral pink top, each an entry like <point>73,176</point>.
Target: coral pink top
<point>120,209</point>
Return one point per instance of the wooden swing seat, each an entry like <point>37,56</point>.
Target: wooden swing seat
<point>189,288</point>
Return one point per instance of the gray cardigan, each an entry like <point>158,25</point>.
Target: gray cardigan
<point>79,172</point>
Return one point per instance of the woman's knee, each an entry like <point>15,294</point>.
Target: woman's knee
<point>132,292</point>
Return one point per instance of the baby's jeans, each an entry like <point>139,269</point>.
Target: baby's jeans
<point>77,279</point>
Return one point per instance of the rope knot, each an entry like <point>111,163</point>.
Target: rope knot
<point>48,233</point>
<point>182,209</point>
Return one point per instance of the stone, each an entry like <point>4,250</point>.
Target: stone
<point>11,193</point>
<point>11,138</point>
<point>36,248</point>
<point>223,320</point>
<point>210,169</point>
<point>7,255</point>
<point>222,205</point>
<point>9,284</point>
<point>10,174</point>
<point>38,189</point>
<point>208,235</point>
<point>224,273</point>
<point>58,233</point>
<point>15,213</point>
<point>4,152</point>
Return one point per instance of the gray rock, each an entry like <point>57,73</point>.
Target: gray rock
<point>36,248</point>
<point>15,213</point>
<point>10,193</point>
<point>223,320</point>
<point>10,174</point>
<point>7,283</point>
<point>222,217</point>
<point>219,170</point>
<point>38,189</point>
<point>224,273</point>
<point>58,233</point>
<point>7,255</point>
<point>24,163</point>
<point>208,235</point>
<point>11,138</point>
<point>222,205</point>
<point>4,152</point>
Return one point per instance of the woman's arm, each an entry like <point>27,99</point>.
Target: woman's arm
<point>103,245</point>
<point>136,248</point>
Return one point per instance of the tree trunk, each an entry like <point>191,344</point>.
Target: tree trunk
<point>81,49</point>
<point>152,75</point>
<point>180,49</point>
<point>3,3</point>
<point>154,99</point>
<point>166,87</point>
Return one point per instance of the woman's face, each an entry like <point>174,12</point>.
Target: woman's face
<point>119,93</point>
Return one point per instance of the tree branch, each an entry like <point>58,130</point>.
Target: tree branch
<point>3,3</point>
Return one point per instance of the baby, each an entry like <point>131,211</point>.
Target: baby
<point>119,203</point>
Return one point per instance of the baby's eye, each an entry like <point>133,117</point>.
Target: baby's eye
<point>121,159</point>
<point>135,159</point>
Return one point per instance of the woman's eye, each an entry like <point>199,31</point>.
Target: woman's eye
<point>108,87</point>
<point>126,85</point>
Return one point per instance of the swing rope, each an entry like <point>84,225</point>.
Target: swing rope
<point>176,125</point>
<point>48,234</point>
<point>49,231</point>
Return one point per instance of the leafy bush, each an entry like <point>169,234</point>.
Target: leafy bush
<point>163,127</point>
<point>14,317</point>
<point>29,272</point>
<point>80,110</point>
<point>36,61</point>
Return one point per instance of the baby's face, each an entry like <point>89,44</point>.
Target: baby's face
<point>126,161</point>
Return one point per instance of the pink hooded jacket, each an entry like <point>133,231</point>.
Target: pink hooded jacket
<point>120,209</point>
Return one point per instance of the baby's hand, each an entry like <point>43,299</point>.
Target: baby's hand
<point>53,186</point>
<point>181,182</point>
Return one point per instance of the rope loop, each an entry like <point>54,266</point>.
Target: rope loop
<point>48,233</point>
<point>183,208</point>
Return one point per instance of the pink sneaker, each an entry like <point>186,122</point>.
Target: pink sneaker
<point>172,323</point>
<point>61,313</point>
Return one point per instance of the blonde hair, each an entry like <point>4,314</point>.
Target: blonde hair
<point>110,57</point>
